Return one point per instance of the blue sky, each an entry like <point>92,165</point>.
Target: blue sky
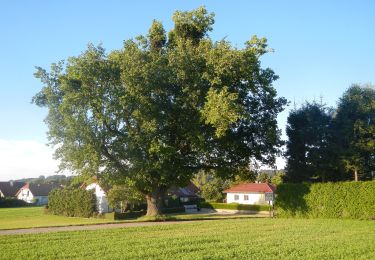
<point>321,47</point>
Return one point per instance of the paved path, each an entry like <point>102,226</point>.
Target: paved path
<point>91,227</point>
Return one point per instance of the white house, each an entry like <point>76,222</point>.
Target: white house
<point>35,193</point>
<point>250,193</point>
<point>102,204</point>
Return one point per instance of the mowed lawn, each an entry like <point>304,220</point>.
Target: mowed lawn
<point>214,239</point>
<point>30,217</point>
<point>11,218</point>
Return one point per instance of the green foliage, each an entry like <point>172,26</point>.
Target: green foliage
<point>147,112</point>
<point>327,145</point>
<point>221,110</point>
<point>124,197</point>
<point>355,200</point>
<point>211,186</point>
<point>355,131</point>
<point>13,203</point>
<point>309,147</point>
<point>234,206</point>
<point>72,202</point>
<point>173,210</point>
<point>123,215</point>
<point>263,178</point>
<point>278,178</point>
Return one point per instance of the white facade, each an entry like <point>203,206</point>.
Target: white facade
<point>249,198</point>
<point>25,194</point>
<point>102,204</point>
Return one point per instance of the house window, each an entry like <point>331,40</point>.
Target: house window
<point>236,197</point>
<point>246,197</point>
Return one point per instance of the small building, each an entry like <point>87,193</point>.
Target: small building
<point>249,193</point>
<point>184,194</point>
<point>9,189</point>
<point>36,193</point>
<point>102,204</point>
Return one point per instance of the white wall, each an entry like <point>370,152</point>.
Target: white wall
<point>102,204</point>
<point>26,195</point>
<point>254,198</point>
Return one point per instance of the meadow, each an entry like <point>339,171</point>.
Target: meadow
<point>31,217</point>
<point>256,238</point>
<point>28,217</point>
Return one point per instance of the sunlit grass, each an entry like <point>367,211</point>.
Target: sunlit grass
<point>29,217</point>
<point>219,239</point>
<point>11,218</point>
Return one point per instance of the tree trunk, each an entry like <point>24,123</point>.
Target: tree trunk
<point>355,175</point>
<point>154,203</point>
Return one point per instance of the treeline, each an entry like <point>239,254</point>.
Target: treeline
<point>333,144</point>
<point>52,179</point>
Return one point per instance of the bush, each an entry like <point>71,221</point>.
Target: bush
<point>72,202</point>
<point>233,206</point>
<point>354,200</point>
<point>124,215</point>
<point>13,203</point>
<point>173,210</point>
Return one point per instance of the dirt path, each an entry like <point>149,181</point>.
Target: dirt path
<point>91,227</point>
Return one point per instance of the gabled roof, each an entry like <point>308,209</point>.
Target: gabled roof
<point>9,188</point>
<point>252,187</point>
<point>40,189</point>
<point>189,191</point>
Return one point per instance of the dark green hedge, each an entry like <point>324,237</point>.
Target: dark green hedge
<point>234,206</point>
<point>72,202</point>
<point>354,200</point>
<point>173,210</point>
<point>13,203</point>
<point>124,215</point>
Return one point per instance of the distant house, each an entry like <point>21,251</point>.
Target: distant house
<point>249,193</point>
<point>184,194</point>
<point>10,188</point>
<point>102,204</point>
<point>36,193</point>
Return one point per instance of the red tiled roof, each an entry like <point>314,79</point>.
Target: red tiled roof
<point>251,187</point>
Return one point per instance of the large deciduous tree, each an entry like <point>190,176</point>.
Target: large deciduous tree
<point>163,107</point>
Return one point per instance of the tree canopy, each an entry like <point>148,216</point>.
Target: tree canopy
<point>163,107</point>
<point>333,144</point>
<point>355,130</point>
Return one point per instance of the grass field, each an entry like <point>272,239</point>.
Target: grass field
<point>216,239</point>
<point>11,218</point>
<point>29,217</point>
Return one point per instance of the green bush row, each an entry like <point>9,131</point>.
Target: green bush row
<point>354,200</point>
<point>13,203</point>
<point>123,215</point>
<point>233,206</point>
<point>72,202</point>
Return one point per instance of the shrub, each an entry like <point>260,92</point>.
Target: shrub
<point>72,202</point>
<point>354,200</point>
<point>173,210</point>
<point>233,206</point>
<point>13,203</point>
<point>123,215</point>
